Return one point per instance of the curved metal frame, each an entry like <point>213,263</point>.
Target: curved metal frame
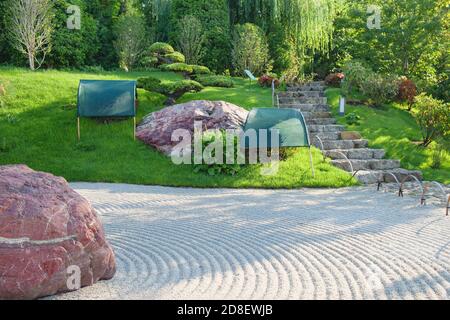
<point>422,199</point>
<point>380,183</point>
<point>446,195</point>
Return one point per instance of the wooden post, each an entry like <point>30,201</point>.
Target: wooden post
<point>78,128</point>
<point>134,128</point>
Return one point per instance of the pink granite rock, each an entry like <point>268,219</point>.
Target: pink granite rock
<point>156,129</point>
<point>46,228</point>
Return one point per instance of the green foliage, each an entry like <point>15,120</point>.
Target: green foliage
<point>178,67</point>
<point>352,119</point>
<point>180,87</point>
<point>407,91</point>
<point>355,74</point>
<point>208,138</point>
<point>161,48</point>
<point>175,57</point>
<point>200,69</point>
<point>250,50</point>
<point>380,89</point>
<point>149,62</point>
<point>190,38</point>
<point>433,118</point>
<point>173,90</point>
<point>149,83</point>
<point>215,81</point>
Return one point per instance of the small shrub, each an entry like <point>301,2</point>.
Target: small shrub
<point>175,57</point>
<point>334,79</point>
<point>200,69</point>
<point>379,89</point>
<point>215,169</point>
<point>215,81</point>
<point>355,74</point>
<point>149,62</point>
<point>433,118</point>
<point>352,119</point>
<point>178,67</point>
<point>407,92</point>
<point>161,48</point>
<point>266,80</point>
<point>149,84</point>
<point>182,86</point>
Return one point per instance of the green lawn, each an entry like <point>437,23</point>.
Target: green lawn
<point>38,128</point>
<point>394,129</point>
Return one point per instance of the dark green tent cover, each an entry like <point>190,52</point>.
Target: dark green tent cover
<point>289,122</point>
<point>107,98</point>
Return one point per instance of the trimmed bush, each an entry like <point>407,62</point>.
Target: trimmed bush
<point>175,57</point>
<point>149,62</point>
<point>215,81</point>
<point>149,84</point>
<point>161,48</point>
<point>178,67</point>
<point>266,80</point>
<point>200,69</point>
<point>407,91</point>
<point>380,89</point>
<point>433,118</point>
<point>172,90</point>
<point>183,86</point>
<point>334,79</point>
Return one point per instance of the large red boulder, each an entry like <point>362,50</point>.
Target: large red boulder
<point>48,235</point>
<point>156,128</point>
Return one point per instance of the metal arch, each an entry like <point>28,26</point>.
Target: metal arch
<point>422,200</point>
<point>400,191</point>
<point>446,195</point>
<point>348,160</point>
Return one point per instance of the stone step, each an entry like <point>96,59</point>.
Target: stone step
<point>321,121</point>
<point>340,144</point>
<point>375,176</point>
<point>371,164</point>
<point>326,128</point>
<point>317,115</point>
<point>307,107</point>
<point>297,94</point>
<point>303,100</point>
<point>327,136</point>
<point>357,154</point>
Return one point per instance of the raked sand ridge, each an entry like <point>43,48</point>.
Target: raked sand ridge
<point>351,243</point>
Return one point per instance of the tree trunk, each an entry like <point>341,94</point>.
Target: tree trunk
<point>31,61</point>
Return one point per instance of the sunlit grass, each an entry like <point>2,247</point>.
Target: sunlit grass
<point>38,128</point>
<point>394,129</point>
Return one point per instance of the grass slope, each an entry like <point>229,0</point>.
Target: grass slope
<point>38,128</point>
<point>395,130</point>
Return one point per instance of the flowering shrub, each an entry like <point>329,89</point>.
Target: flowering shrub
<point>334,79</point>
<point>266,80</point>
<point>407,91</point>
<point>380,89</point>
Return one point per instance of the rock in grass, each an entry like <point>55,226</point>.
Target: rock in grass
<point>48,233</point>
<point>156,128</point>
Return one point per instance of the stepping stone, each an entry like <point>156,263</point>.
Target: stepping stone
<point>361,154</point>
<point>322,121</point>
<point>326,128</point>
<point>372,164</point>
<point>350,135</point>
<point>343,144</point>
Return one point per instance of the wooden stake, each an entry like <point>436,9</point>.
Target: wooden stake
<point>78,128</point>
<point>134,128</point>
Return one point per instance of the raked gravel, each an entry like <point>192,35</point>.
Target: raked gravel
<point>352,243</point>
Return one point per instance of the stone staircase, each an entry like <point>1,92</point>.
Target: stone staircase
<point>347,150</point>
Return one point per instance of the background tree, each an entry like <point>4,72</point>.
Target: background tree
<point>131,41</point>
<point>29,27</point>
<point>250,50</point>
<point>190,38</point>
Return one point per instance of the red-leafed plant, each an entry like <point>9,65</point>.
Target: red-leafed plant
<point>334,79</point>
<point>266,80</point>
<point>407,92</point>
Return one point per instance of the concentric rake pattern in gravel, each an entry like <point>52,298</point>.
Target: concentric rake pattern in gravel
<point>262,244</point>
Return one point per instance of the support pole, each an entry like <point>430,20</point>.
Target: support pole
<point>311,162</point>
<point>78,128</point>
<point>134,128</point>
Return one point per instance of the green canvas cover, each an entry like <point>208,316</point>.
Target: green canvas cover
<point>107,98</point>
<point>290,123</point>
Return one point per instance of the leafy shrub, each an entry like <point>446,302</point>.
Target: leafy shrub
<point>180,87</point>
<point>266,80</point>
<point>178,67</point>
<point>161,48</point>
<point>215,81</point>
<point>355,74</point>
<point>433,117</point>
<point>407,91</point>
<point>334,79</point>
<point>200,69</point>
<point>149,84</point>
<point>149,62</point>
<point>214,169</point>
<point>175,57</point>
<point>352,118</point>
<point>379,89</point>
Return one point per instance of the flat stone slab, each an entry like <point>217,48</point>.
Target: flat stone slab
<point>352,243</point>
